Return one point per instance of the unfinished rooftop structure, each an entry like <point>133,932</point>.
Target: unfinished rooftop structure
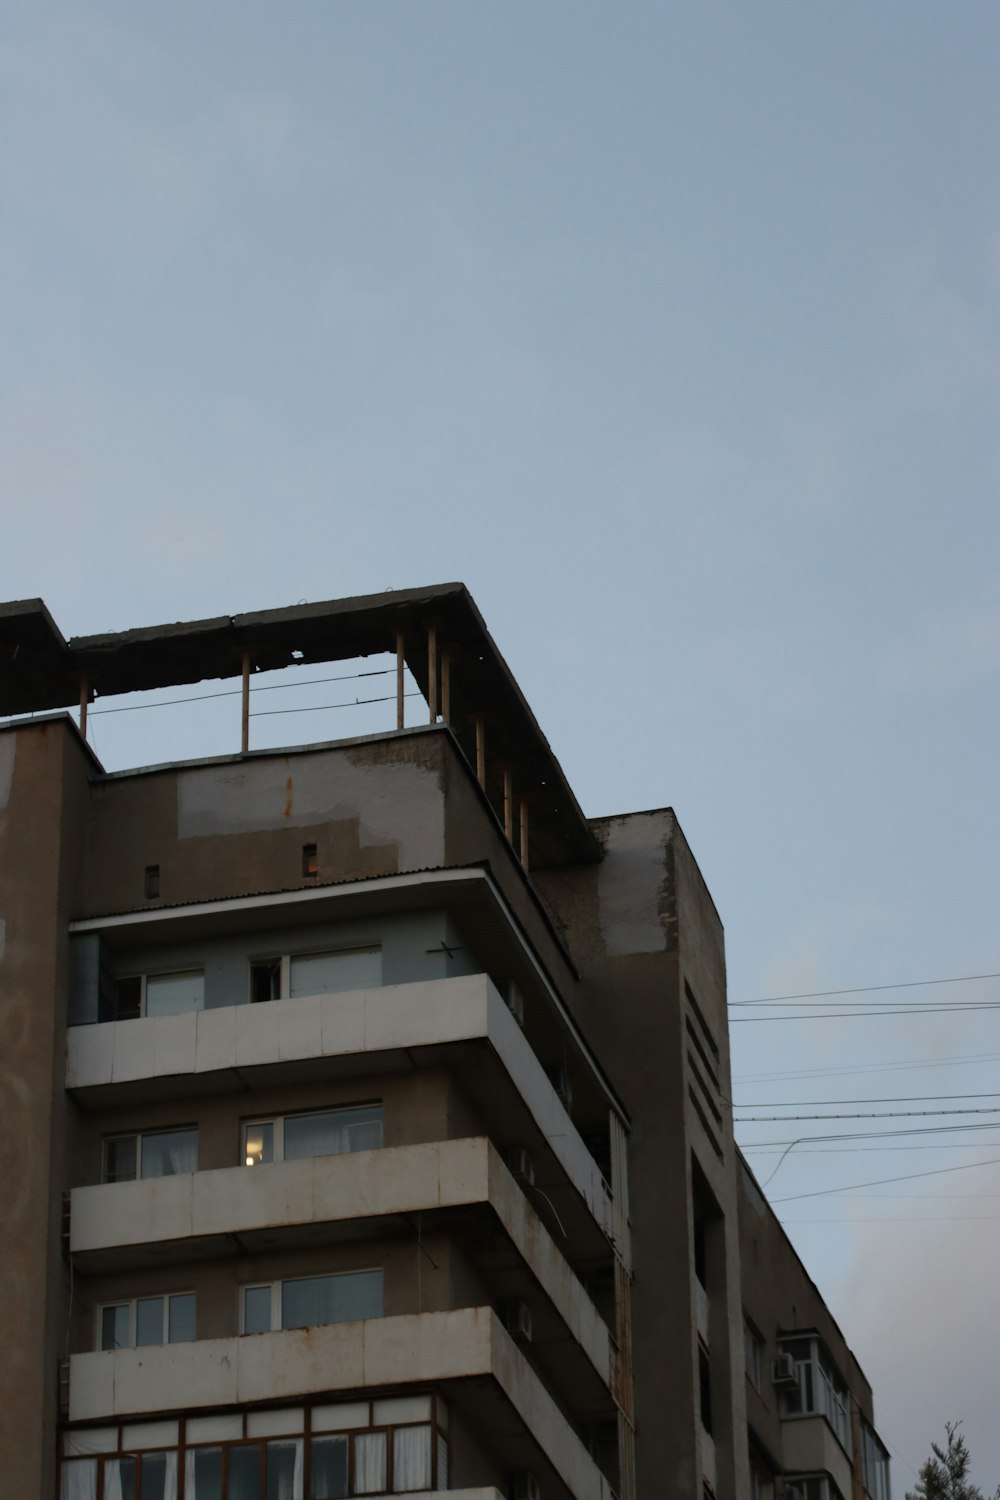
<point>368,1124</point>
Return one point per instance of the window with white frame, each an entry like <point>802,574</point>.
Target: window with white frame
<point>875,1463</point>
<point>308,1301</point>
<point>819,1388</point>
<point>294,975</point>
<point>136,995</point>
<point>319,1133</point>
<point>331,1451</point>
<point>150,1153</point>
<point>143,1321</point>
<point>753,1354</point>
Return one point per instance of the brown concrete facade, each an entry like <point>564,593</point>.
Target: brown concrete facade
<point>562,1030</point>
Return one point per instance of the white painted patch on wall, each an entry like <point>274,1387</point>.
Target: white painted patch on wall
<point>8,746</point>
<point>397,804</point>
<point>628,885</point>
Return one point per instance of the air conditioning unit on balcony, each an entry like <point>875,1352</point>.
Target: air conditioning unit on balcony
<point>519,1164</point>
<point>516,1318</point>
<point>784,1370</point>
<point>524,1486</point>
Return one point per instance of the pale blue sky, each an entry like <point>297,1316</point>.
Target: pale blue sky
<point>674,332</point>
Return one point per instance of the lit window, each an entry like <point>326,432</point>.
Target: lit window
<point>151,1153</point>
<point>310,1301</point>
<point>321,1133</point>
<point>145,1321</point>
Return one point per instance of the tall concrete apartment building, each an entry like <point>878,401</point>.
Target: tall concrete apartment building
<point>366,1109</point>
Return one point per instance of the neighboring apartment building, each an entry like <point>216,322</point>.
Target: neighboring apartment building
<point>366,1107</point>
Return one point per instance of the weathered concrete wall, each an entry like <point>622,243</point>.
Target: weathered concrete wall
<point>238,826</point>
<point>640,927</point>
<point>43,770</point>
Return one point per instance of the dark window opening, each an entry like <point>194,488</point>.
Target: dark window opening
<point>705,1391</point>
<point>152,884</point>
<point>310,859</point>
<point>128,998</point>
<point>265,980</point>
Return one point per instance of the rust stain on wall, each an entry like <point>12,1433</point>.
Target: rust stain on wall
<point>288,798</point>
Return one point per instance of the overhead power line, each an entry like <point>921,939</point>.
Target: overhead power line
<point>887,1099</point>
<point>881,1181</point>
<point>854,1014</point>
<point>883,1114</point>
<point>864,989</point>
<point>262,687</point>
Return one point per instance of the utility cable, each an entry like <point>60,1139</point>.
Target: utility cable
<point>864,989</point>
<point>316,708</point>
<point>881,1181</point>
<point>264,687</point>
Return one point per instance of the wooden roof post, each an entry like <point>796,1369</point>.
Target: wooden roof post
<point>400,670</point>
<point>432,673</point>
<point>245,737</point>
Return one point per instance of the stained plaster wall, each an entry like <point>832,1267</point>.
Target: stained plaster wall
<point>637,925</point>
<point>237,827</point>
<point>43,788</point>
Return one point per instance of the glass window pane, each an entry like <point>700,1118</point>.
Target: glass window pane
<point>203,1474</point>
<point>148,1321</point>
<point>120,1159</point>
<point>119,1479</point>
<point>79,1479</point>
<point>369,1463</point>
<point>327,973</point>
<point>114,1327</point>
<point>256,1309</point>
<point>329,1133</point>
<point>284,1470</point>
<point>170,994</point>
<point>168,1152</point>
<point>329,1468</point>
<point>258,1143</point>
<point>181,1316</point>
<point>331,1299</point>
<point>411,1458</point>
<point>244,1473</point>
<point>158,1473</point>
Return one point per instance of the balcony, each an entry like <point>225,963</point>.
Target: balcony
<point>200,1215</point>
<point>467,1354</point>
<point>459,1022</point>
<point>809,1446</point>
